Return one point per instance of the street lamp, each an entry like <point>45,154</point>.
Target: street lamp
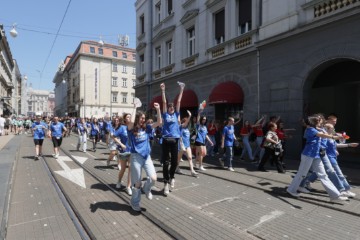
<point>13,31</point>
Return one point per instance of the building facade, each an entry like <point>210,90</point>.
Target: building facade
<point>60,91</point>
<point>42,101</point>
<point>273,57</point>
<point>100,80</point>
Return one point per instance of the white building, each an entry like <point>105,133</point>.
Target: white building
<point>42,101</point>
<point>274,57</point>
<point>60,91</point>
<point>100,80</point>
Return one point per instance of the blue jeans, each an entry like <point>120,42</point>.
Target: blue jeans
<point>318,168</point>
<point>339,173</point>
<point>259,148</point>
<point>229,156</point>
<point>329,171</point>
<point>247,148</point>
<point>210,149</point>
<point>137,163</point>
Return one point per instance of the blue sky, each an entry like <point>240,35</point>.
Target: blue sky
<point>85,20</point>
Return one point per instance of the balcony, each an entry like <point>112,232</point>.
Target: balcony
<point>320,8</point>
<point>164,71</point>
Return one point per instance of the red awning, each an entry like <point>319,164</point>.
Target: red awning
<point>189,99</point>
<point>157,99</point>
<point>227,92</point>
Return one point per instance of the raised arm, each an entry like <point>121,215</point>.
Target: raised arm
<point>164,106</point>
<point>130,125</point>
<point>178,103</point>
<point>187,120</point>
<point>159,118</point>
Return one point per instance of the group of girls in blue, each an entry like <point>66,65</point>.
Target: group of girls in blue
<point>320,144</point>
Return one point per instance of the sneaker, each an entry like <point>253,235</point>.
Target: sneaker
<point>36,157</point>
<point>40,155</point>
<point>172,184</point>
<point>56,156</point>
<point>94,150</point>
<point>136,208</point>
<point>231,169</point>
<point>166,189</point>
<point>149,195</point>
<point>221,162</point>
<point>129,191</point>
<point>84,151</point>
<point>308,186</point>
<point>178,170</point>
<point>53,154</point>
<point>194,174</point>
<point>303,190</point>
<point>118,185</point>
<point>347,194</point>
<point>201,168</point>
<point>339,199</point>
<point>292,193</point>
<point>181,160</point>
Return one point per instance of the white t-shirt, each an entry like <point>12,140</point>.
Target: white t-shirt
<point>2,122</point>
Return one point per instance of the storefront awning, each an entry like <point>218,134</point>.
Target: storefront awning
<point>189,99</point>
<point>227,92</point>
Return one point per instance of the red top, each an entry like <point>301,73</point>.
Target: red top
<point>245,130</point>
<point>211,129</point>
<point>281,134</point>
<point>258,131</point>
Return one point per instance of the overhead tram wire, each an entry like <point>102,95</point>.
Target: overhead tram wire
<point>57,34</point>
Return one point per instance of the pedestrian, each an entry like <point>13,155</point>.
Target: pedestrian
<point>38,129</point>
<point>170,135</point>
<point>258,130</point>
<point>82,135</point>
<point>273,149</point>
<point>7,125</point>
<point>140,158</point>
<point>310,158</point>
<point>212,130</point>
<point>227,142</point>
<point>2,124</point>
<point>184,144</point>
<point>56,132</point>
<point>111,131</point>
<point>94,132</point>
<point>20,125</point>
<point>245,133</point>
<point>200,139</point>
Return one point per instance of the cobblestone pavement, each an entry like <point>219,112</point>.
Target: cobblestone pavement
<point>219,204</point>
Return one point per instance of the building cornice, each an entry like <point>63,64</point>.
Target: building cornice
<point>189,15</point>
<point>164,32</point>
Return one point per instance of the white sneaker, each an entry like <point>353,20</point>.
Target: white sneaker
<point>303,190</point>
<point>166,189</point>
<point>231,169</point>
<point>194,174</point>
<point>178,170</point>
<point>149,195</point>
<point>292,193</point>
<point>348,194</point>
<point>201,168</point>
<point>56,156</point>
<point>129,191</point>
<point>181,160</point>
<point>339,199</point>
<point>172,184</point>
<point>118,185</point>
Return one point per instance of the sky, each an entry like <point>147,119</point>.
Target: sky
<point>37,49</point>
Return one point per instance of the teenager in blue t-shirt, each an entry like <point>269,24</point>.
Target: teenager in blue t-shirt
<point>171,135</point>
<point>227,142</point>
<point>38,129</point>
<point>139,133</point>
<point>94,132</point>
<point>82,135</point>
<point>184,144</point>
<point>310,157</point>
<point>56,133</point>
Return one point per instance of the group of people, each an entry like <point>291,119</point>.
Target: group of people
<point>15,125</point>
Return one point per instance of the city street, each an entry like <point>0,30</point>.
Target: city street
<point>74,197</point>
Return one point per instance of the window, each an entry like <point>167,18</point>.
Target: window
<point>142,24</point>
<point>124,69</point>
<point>169,52</point>
<point>134,82</point>
<point>92,50</point>
<point>158,57</point>
<point>134,71</point>
<point>133,97</point>
<point>114,82</point>
<point>169,7</point>
<point>124,82</point>
<point>191,41</point>
<point>134,56</point>
<point>124,54</point>
<point>115,54</point>
<point>100,50</point>
<point>158,13</point>
<point>220,26</point>
<point>124,97</point>
<point>142,64</point>
<point>244,16</point>
<point>114,67</point>
<point>114,96</point>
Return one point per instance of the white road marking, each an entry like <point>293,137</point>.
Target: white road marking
<point>74,175</point>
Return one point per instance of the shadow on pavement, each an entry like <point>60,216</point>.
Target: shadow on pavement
<point>113,206</point>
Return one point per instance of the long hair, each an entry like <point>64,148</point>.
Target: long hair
<point>136,129</point>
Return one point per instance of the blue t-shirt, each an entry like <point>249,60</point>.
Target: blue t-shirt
<point>323,141</point>
<point>94,129</point>
<point>81,128</point>
<point>185,136</point>
<point>312,146</point>
<point>56,129</point>
<point>201,133</point>
<point>39,130</point>
<point>122,134</point>
<point>170,125</point>
<point>140,143</point>
<point>228,132</point>
<point>331,150</point>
